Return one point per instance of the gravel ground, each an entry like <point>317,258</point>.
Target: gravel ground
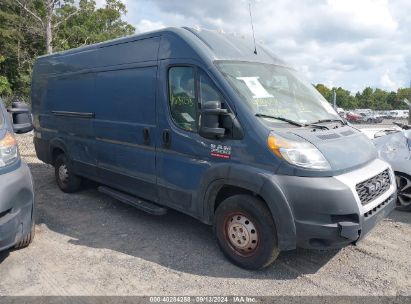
<point>89,244</point>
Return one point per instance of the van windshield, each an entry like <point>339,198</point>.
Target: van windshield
<point>276,91</point>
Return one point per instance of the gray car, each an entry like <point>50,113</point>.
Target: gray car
<point>16,184</point>
<point>370,118</point>
<point>394,146</point>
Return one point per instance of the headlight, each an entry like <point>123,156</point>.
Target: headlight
<point>8,150</point>
<point>299,153</point>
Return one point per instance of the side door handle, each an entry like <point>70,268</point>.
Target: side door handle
<point>146,136</point>
<point>166,138</point>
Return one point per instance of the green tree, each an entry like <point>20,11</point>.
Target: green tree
<point>344,99</point>
<point>369,98</point>
<point>29,28</point>
<point>381,100</point>
<point>391,97</point>
<point>90,25</point>
<point>404,93</point>
<point>325,91</point>
<point>20,43</point>
<point>5,88</point>
<point>83,24</point>
<point>366,98</point>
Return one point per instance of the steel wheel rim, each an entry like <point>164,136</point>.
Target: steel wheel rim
<point>403,190</point>
<point>63,173</point>
<point>241,234</point>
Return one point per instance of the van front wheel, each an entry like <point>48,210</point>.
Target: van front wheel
<point>246,232</point>
<point>66,180</point>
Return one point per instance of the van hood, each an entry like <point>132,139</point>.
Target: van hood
<point>345,148</point>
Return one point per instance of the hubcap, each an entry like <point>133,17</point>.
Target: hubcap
<point>404,190</point>
<point>242,234</point>
<point>63,173</point>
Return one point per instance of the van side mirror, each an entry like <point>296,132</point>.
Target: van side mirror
<point>210,120</point>
<point>21,117</point>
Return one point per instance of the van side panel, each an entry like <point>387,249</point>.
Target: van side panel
<point>94,103</point>
<point>63,96</point>
<point>126,109</point>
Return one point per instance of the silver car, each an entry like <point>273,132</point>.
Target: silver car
<point>16,185</point>
<point>394,146</point>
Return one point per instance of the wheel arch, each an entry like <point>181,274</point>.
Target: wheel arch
<point>57,146</point>
<point>401,167</point>
<point>402,173</point>
<point>242,180</point>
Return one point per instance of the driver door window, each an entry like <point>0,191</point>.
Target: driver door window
<point>186,97</point>
<point>183,97</point>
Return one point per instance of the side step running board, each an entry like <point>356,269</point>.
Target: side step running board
<point>145,206</point>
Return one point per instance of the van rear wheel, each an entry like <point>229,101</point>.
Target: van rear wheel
<point>66,180</point>
<point>246,232</point>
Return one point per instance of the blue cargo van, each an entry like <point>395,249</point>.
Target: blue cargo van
<point>195,121</point>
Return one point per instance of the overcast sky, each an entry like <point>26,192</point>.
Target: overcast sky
<point>348,43</point>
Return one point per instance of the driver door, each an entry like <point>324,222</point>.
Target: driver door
<point>183,156</point>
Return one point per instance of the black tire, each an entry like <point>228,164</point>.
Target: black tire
<point>259,248</point>
<point>403,191</point>
<point>26,240</point>
<point>68,182</point>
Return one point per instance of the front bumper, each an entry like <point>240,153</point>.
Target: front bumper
<point>328,212</point>
<point>16,205</point>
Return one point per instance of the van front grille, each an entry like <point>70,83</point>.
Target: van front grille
<point>377,208</point>
<point>373,187</point>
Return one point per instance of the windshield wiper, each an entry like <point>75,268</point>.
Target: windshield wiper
<point>316,123</point>
<point>328,120</point>
<point>291,122</point>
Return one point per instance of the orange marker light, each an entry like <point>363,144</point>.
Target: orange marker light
<point>275,143</point>
<point>8,141</point>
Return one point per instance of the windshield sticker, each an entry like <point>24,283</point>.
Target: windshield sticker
<point>255,86</point>
<point>262,102</point>
<point>220,151</point>
<point>187,117</point>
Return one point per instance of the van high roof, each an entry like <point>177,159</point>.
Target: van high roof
<point>208,44</point>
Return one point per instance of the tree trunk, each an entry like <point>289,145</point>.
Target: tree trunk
<point>18,40</point>
<point>48,26</point>
<point>49,37</point>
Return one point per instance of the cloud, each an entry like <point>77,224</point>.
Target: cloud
<point>147,25</point>
<point>348,43</point>
<point>370,18</point>
<point>387,83</point>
